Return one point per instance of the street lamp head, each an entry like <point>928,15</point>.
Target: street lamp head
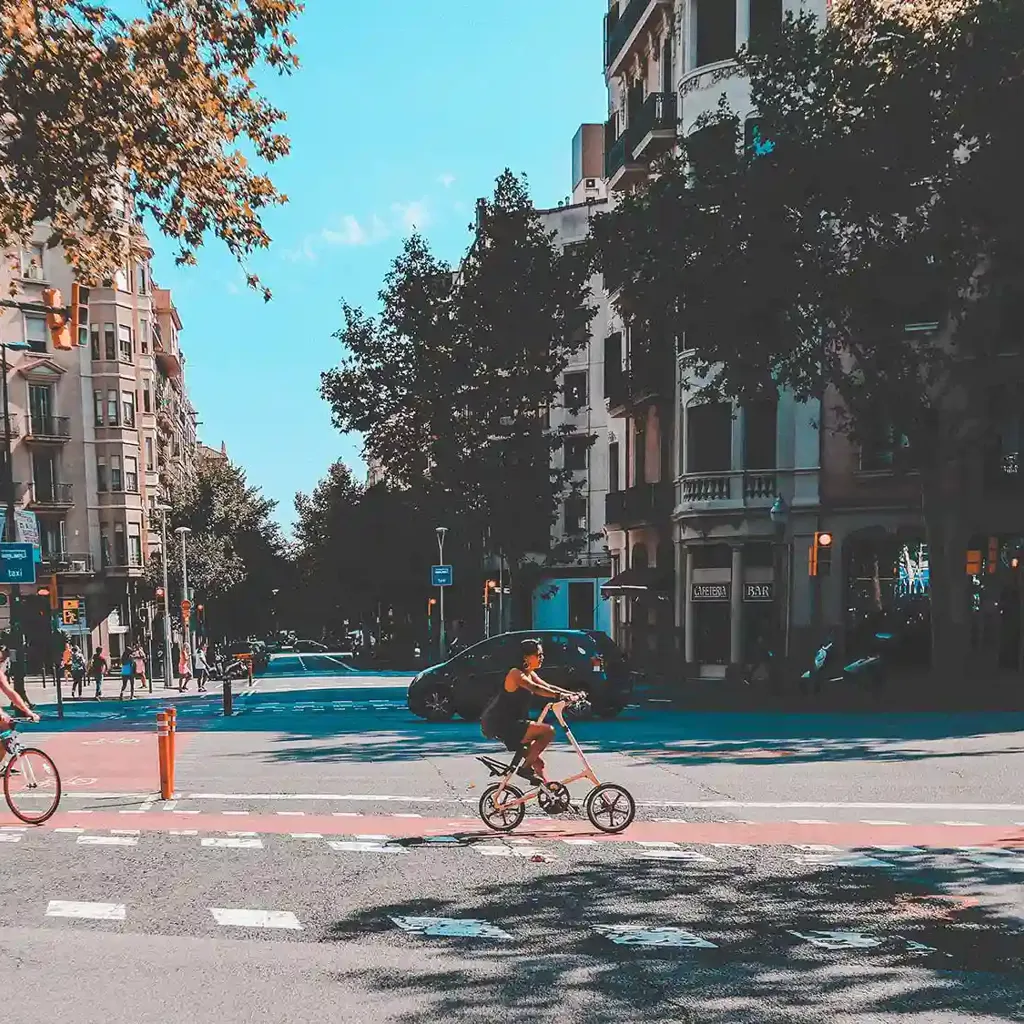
<point>779,511</point>
<point>441,530</point>
<point>182,531</point>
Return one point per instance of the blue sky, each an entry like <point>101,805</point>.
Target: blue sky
<point>403,113</point>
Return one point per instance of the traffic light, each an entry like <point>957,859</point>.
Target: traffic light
<point>160,593</point>
<point>489,585</point>
<point>80,314</point>
<point>820,555</point>
<point>56,319</point>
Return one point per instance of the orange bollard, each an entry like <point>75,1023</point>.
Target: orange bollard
<point>172,732</point>
<point>162,743</point>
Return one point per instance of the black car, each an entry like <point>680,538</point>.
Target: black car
<point>574,659</point>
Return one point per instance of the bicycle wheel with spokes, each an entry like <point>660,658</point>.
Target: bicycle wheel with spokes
<point>495,810</point>
<point>610,808</point>
<point>32,785</point>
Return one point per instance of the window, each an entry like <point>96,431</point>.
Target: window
<point>134,546</point>
<point>97,405</point>
<point>142,278</point>
<point>109,344</point>
<point>576,452</point>
<point>147,401</point>
<point>36,333</point>
<point>575,514</point>
<point>131,474</point>
<point>716,31</point>
<point>639,455</point>
<point>128,408</point>
<point>32,263</point>
<point>124,342</point>
<point>144,336</point>
<point>101,473</point>
<point>116,483</point>
<point>613,466</point>
<point>149,454</point>
<point>574,389</point>
<point>112,408</point>
<point>765,21</point>
<point>120,546</point>
<point>105,545</point>
<point>94,340</point>
<point>709,438</point>
<point>884,451</point>
<point>759,427</point>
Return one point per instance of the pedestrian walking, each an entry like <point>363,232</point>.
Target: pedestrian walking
<point>65,662</point>
<point>78,670</point>
<point>127,674</point>
<point>202,668</point>
<point>184,670</point>
<point>98,668</point>
<point>139,655</point>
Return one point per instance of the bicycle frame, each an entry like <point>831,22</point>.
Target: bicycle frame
<point>555,708</point>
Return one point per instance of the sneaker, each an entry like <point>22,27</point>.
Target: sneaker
<point>530,775</point>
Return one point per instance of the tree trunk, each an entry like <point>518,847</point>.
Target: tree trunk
<point>947,532</point>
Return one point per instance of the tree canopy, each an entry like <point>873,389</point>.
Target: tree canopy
<point>162,110</point>
<point>861,236</point>
<point>451,384</point>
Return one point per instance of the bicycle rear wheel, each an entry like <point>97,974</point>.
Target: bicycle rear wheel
<point>32,786</point>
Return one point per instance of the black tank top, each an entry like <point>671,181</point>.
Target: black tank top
<point>513,705</point>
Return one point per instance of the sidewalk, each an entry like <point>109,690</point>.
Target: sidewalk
<point>40,694</point>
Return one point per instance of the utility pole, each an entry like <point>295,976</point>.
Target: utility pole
<point>441,531</point>
<point>168,669</point>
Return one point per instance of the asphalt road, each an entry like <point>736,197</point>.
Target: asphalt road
<point>322,858</point>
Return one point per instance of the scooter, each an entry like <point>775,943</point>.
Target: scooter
<point>868,671</point>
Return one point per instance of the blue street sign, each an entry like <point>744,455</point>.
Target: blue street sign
<point>440,575</point>
<point>17,564</point>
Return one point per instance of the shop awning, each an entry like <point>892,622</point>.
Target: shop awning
<point>635,582</point>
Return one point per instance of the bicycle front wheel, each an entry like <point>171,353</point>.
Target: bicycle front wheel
<point>32,786</point>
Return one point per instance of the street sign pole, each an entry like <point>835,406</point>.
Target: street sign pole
<point>443,645</point>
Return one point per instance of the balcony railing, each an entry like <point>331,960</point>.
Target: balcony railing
<point>620,151</point>
<point>618,30</point>
<point>48,428</point>
<point>67,564</point>
<point>746,487</point>
<point>645,380</point>
<point>51,493</point>
<point>657,117</point>
<point>645,503</point>
<point>9,427</point>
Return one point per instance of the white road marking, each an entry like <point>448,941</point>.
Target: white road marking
<point>72,831</point>
<point>831,860</point>
<point>815,847</point>
<point>412,815</point>
<point>183,832</point>
<point>232,843</point>
<point>373,838</point>
<point>107,841</point>
<point>363,846</point>
<point>184,812</point>
<point>880,821</point>
<point>13,828</point>
<point>809,821</point>
<point>839,940</point>
<point>637,935</point>
<point>10,837</point>
<point>306,835</point>
<point>130,812</point>
<point>169,805</point>
<point>451,927</point>
<point>235,812</point>
<point>688,855</point>
<point>291,814</point>
<point>962,824</point>
<point>90,911</point>
<point>580,842</point>
<point>238,834</point>
<point>125,832</point>
<point>655,846</point>
<point>347,814</point>
<point>239,918</point>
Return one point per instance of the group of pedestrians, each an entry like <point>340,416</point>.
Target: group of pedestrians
<point>202,669</point>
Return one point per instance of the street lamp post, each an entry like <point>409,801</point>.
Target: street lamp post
<point>168,655</point>
<point>443,642</point>
<point>273,610</point>
<point>186,640</point>
<point>18,665</point>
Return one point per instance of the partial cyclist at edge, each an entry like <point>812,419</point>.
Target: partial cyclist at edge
<point>507,716</point>
<point>12,695</point>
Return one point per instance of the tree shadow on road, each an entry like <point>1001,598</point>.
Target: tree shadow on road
<point>936,959</point>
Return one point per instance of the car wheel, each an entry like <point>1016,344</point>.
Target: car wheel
<point>437,704</point>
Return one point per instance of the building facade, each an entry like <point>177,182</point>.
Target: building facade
<point>99,436</point>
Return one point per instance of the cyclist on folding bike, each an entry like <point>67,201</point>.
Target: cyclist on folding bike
<point>507,716</point>
<point>8,693</point>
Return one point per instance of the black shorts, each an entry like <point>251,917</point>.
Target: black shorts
<point>511,732</point>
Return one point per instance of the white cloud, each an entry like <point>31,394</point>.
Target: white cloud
<point>303,253</point>
<point>353,232</point>
<point>447,179</point>
<point>412,216</point>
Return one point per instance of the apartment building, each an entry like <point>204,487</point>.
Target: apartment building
<point>716,500</point>
<point>100,436</point>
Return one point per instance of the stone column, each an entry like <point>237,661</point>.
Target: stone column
<point>688,637</point>
<point>736,609</point>
<point>742,23</point>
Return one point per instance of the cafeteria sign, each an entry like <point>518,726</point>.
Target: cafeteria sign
<point>709,591</point>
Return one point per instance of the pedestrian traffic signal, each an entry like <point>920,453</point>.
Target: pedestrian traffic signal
<point>160,592</point>
<point>79,315</point>
<point>56,319</point>
<point>820,555</point>
<point>71,609</point>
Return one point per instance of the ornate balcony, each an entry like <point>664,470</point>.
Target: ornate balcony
<point>749,488</point>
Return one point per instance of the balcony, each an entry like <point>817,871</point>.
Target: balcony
<point>66,564</point>
<point>123,563</point>
<point>654,129</point>
<point>49,496</point>
<point>9,427</point>
<point>738,488</point>
<point>623,28</point>
<point>645,504</point>
<point>643,382</point>
<point>621,168</point>
<point>48,429</point>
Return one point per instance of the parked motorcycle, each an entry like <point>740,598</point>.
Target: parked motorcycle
<point>868,670</point>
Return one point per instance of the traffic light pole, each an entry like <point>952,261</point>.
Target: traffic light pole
<point>167,604</point>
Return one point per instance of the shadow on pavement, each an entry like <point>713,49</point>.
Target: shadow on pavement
<point>934,960</point>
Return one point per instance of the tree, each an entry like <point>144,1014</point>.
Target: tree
<point>877,189</point>
<point>451,384</point>
<point>363,552</point>
<point>235,553</point>
<point>97,109</point>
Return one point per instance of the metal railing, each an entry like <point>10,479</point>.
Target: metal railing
<point>618,31</point>
<point>52,493</point>
<point>644,503</point>
<point>67,563</point>
<point>58,427</point>
<point>657,113</point>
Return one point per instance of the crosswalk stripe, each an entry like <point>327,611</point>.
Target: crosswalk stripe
<point>243,918</point>
<point>88,911</point>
